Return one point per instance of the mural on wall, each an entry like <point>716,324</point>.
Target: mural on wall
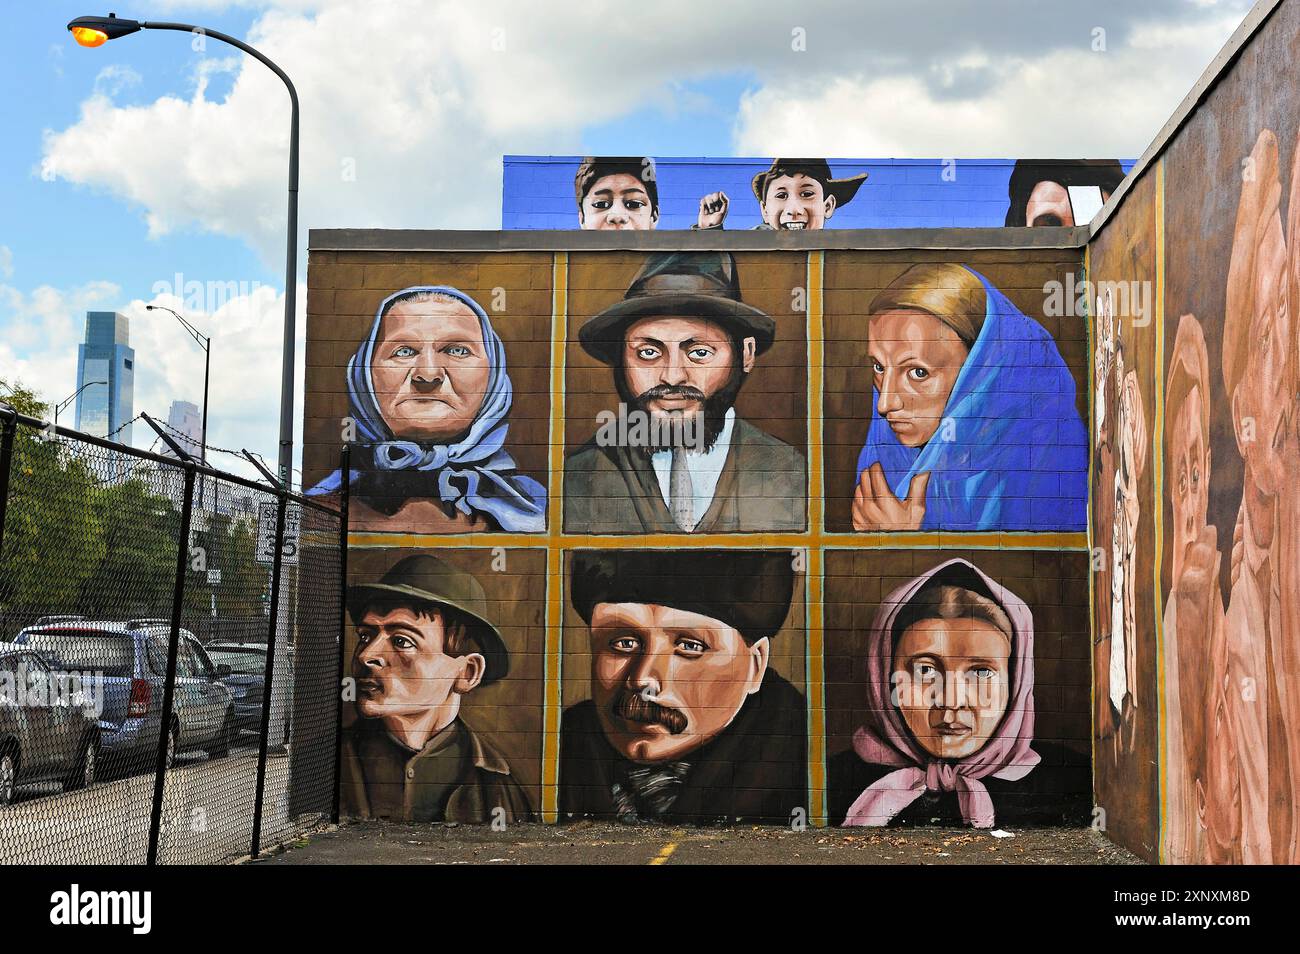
<point>617,193</point>
<point>429,399</point>
<point>1230,574</point>
<point>973,422</point>
<point>1234,463</point>
<point>425,646</point>
<point>793,195</point>
<point>643,192</point>
<point>1045,192</point>
<point>676,457</point>
<point>1122,279</point>
<point>687,719</point>
<point>939,697</point>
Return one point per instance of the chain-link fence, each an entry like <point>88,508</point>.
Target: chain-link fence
<point>169,655</point>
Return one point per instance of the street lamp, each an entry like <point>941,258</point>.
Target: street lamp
<point>206,343</point>
<point>96,31</point>
<point>72,397</point>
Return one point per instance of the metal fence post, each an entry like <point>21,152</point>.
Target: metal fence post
<point>6,460</point>
<point>165,720</point>
<point>283,505</point>
<point>345,464</point>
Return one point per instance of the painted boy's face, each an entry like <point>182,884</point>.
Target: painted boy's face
<point>1191,477</point>
<point>666,681</point>
<point>915,359</point>
<point>797,202</point>
<point>430,370</point>
<point>951,680</point>
<point>618,202</point>
<point>401,667</point>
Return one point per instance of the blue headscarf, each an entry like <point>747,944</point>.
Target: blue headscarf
<point>1018,454</point>
<point>476,475</point>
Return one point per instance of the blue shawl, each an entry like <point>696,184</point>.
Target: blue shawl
<point>475,475</point>
<point>1018,454</point>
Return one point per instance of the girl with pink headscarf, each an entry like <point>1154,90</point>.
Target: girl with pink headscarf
<point>950,714</point>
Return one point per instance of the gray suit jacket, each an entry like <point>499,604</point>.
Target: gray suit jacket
<point>762,489</point>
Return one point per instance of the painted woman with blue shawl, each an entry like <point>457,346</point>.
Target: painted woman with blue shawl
<point>974,424</point>
<point>429,395</point>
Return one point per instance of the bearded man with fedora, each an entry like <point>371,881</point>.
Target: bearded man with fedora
<point>425,641</point>
<point>793,195</point>
<point>687,721</point>
<point>681,345</point>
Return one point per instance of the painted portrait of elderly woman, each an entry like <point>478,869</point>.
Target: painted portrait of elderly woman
<point>430,397</point>
<point>974,421</point>
<point>948,734</point>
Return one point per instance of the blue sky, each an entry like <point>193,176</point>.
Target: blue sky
<point>125,165</point>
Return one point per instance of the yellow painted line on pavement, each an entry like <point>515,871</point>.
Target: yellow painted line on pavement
<point>664,853</point>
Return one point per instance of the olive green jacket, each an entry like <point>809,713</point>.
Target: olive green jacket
<point>482,783</point>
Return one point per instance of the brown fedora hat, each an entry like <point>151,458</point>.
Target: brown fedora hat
<point>843,189</point>
<point>685,284</point>
<point>425,579</point>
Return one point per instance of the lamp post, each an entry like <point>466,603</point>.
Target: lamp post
<point>96,31</point>
<point>72,397</point>
<point>206,343</point>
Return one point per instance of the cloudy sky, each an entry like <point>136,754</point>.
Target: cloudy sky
<point>159,159</point>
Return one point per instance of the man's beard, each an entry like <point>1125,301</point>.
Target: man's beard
<point>632,707</point>
<point>714,409</point>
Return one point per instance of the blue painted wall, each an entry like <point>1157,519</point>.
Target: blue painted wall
<point>537,192</point>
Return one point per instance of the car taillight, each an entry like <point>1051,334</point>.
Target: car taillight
<point>140,697</point>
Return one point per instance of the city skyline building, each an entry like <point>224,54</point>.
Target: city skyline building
<point>106,355</point>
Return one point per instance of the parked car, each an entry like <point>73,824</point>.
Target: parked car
<point>47,732</point>
<point>247,680</point>
<point>132,659</point>
<point>247,662</point>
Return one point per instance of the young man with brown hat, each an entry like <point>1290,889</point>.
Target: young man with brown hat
<point>424,641</point>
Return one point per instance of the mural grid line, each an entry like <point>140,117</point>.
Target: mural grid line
<point>1158,511</point>
<point>815,670</point>
<point>554,553</point>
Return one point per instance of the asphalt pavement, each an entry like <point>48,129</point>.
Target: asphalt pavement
<point>379,843</point>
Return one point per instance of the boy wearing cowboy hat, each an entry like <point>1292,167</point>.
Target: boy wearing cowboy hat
<point>793,195</point>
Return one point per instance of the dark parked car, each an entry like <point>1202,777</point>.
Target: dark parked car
<point>48,731</point>
<point>247,680</point>
<point>132,657</point>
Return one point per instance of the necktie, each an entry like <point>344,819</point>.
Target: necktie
<point>681,495</point>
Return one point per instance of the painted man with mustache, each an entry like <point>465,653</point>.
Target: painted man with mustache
<point>424,642</point>
<point>687,721</point>
<point>681,344</point>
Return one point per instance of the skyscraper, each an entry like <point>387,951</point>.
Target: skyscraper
<point>106,356</point>
<point>187,427</point>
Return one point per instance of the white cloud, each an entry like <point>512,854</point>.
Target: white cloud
<point>6,262</point>
<point>1072,103</point>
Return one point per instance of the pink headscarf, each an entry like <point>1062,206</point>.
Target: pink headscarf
<point>886,740</point>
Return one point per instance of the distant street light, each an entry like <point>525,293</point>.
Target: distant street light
<point>206,343</point>
<point>96,31</point>
<point>72,397</point>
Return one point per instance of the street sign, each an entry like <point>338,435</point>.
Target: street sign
<point>266,516</point>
